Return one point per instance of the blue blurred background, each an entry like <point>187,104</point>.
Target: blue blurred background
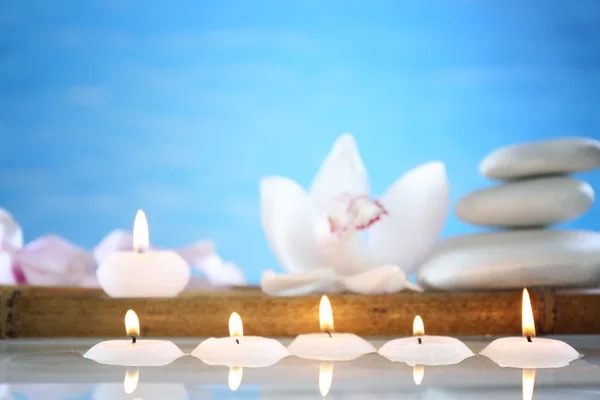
<point>180,108</point>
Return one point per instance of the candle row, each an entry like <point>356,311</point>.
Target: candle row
<point>253,351</point>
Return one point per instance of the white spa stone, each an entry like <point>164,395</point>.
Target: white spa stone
<point>338,347</point>
<point>533,202</point>
<point>547,157</point>
<point>144,353</point>
<point>517,352</point>
<point>433,350</point>
<point>514,259</point>
<point>252,351</point>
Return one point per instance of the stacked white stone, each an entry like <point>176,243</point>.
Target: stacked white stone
<point>535,192</point>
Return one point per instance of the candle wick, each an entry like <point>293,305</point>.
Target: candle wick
<point>529,339</point>
<point>237,341</point>
<point>329,333</point>
<point>133,339</point>
<point>420,341</point>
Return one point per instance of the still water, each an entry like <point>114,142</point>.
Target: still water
<point>56,370</point>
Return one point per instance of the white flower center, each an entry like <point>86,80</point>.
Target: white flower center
<point>353,213</point>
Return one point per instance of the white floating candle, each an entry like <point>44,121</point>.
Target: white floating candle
<point>329,346</point>
<point>529,351</point>
<point>239,350</point>
<point>134,352</point>
<point>143,272</point>
<point>425,350</point>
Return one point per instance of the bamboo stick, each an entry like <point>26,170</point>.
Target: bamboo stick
<point>60,312</point>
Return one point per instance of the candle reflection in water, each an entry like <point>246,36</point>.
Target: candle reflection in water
<point>418,374</point>
<point>528,383</point>
<point>325,378</point>
<point>131,381</point>
<point>234,379</point>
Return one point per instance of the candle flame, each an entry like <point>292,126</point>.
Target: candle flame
<point>235,378</point>
<point>527,315</point>
<point>236,328</point>
<point>418,326</point>
<point>132,324</point>
<point>326,315</point>
<point>325,378</point>
<point>528,383</point>
<point>131,381</point>
<point>141,233</point>
<point>418,374</point>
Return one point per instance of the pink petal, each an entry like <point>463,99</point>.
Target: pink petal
<point>196,253</point>
<point>7,275</point>
<point>342,172</point>
<point>199,283</point>
<point>418,204</point>
<point>220,273</point>
<point>52,261</point>
<point>117,240</point>
<point>287,216</point>
<point>11,234</point>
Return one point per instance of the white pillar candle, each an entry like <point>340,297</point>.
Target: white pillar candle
<point>425,350</point>
<point>529,351</point>
<point>143,272</point>
<point>134,352</point>
<point>132,390</point>
<point>329,346</point>
<point>239,350</point>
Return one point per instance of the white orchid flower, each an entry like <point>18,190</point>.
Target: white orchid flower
<point>336,237</point>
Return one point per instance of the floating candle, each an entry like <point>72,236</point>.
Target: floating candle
<point>134,352</point>
<point>329,346</point>
<point>143,272</point>
<point>425,350</point>
<point>239,350</point>
<point>529,351</point>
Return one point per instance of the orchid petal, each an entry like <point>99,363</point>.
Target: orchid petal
<point>196,253</point>
<point>320,280</point>
<point>220,273</point>
<point>417,204</point>
<point>90,281</point>
<point>199,283</point>
<point>342,172</point>
<point>115,241</point>
<point>287,216</point>
<point>345,255</point>
<point>382,280</point>
<point>52,261</point>
<point>11,234</point>
<point>7,275</point>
